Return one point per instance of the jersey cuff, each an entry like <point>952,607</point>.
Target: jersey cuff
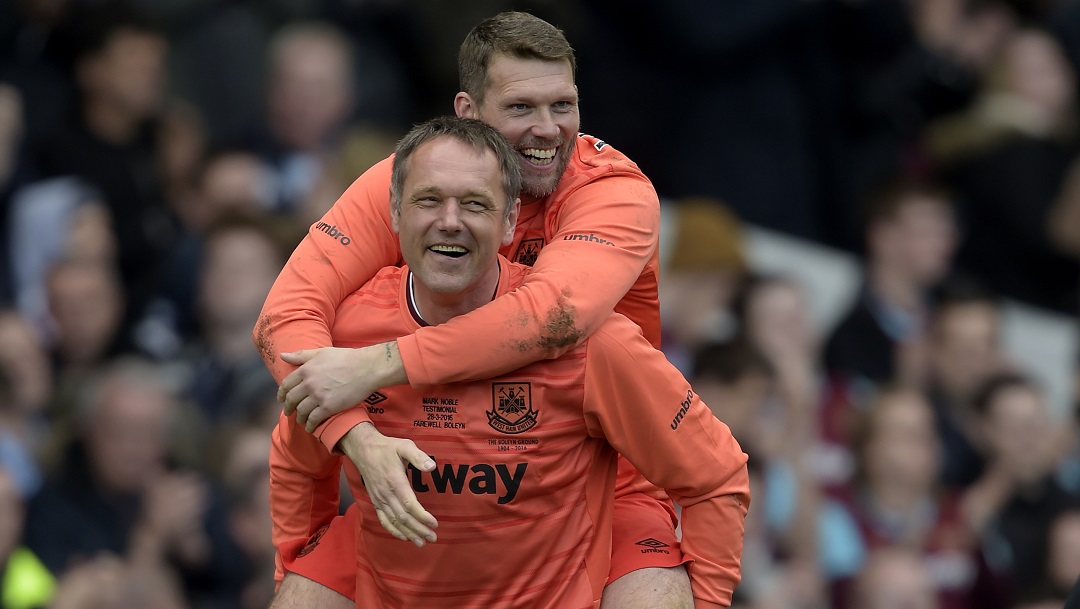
<point>332,430</point>
<point>409,349</point>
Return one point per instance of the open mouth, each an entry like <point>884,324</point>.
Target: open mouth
<point>539,156</point>
<point>452,251</point>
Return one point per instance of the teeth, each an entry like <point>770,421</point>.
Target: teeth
<point>449,249</point>
<point>538,153</point>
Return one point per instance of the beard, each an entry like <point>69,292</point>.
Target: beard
<point>540,186</point>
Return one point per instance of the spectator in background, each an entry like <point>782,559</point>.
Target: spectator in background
<point>86,304</point>
<point>894,578</point>
<point>52,220</point>
<point>703,267</point>
<point>1006,159</point>
<point>910,239</point>
<point>895,502</point>
<point>965,351</point>
<point>779,557</point>
<point>228,181</point>
<point>116,490</point>
<point>241,257</point>
<point>773,317</point>
<point>112,142</point>
<point>310,98</point>
<point>1014,502</point>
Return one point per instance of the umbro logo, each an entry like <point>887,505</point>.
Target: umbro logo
<point>373,399</point>
<point>653,546</point>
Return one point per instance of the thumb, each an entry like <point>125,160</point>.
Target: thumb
<point>298,358</point>
<point>418,459</point>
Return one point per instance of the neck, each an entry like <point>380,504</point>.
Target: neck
<point>436,308</point>
<point>894,288</point>
<point>110,123</point>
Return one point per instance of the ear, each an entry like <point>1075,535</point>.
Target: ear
<point>395,215</point>
<point>511,222</point>
<point>465,107</point>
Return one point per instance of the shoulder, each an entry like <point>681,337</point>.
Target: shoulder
<point>599,172</point>
<point>591,153</point>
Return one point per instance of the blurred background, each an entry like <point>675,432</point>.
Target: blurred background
<point>871,244</point>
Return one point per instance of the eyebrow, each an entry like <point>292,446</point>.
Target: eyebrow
<point>435,190</point>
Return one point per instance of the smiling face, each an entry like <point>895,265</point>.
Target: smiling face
<point>452,220</point>
<point>533,103</point>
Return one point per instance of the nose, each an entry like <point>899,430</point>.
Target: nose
<point>449,219</point>
<point>545,127</point>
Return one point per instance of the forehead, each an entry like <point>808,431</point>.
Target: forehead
<point>510,76</point>
<point>451,166</point>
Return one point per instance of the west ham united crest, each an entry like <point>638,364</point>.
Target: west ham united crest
<point>511,408</point>
<point>528,251</point>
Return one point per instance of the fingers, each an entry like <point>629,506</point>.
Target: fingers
<point>319,414</point>
<point>403,522</point>
<point>418,458</point>
<point>286,388</point>
<point>298,358</point>
<point>304,410</point>
<point>424,521</point>
<point>389,525</point>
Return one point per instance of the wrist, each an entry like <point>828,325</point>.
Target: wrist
<point>392,372</point>
<point>358,436</point>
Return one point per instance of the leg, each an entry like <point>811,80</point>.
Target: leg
<point>299,592</point>
<point>650,588</point>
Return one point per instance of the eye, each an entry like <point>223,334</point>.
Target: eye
<point>519,107</point>
<point>475,205</point>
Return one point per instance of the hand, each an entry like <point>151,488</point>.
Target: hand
<point>380,460</point>
<point>332,379</point>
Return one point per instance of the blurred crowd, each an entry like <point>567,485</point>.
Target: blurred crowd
<point>159,160</point>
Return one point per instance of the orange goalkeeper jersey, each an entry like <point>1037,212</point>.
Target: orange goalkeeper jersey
<point>525,475</point>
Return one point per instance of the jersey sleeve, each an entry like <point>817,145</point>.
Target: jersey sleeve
<point>304,485</point>
<point>648,412</point>
<point>340,253</point>
<point>606,232</point>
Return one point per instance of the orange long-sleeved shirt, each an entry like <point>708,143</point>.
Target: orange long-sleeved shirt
<point>524,484</point>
